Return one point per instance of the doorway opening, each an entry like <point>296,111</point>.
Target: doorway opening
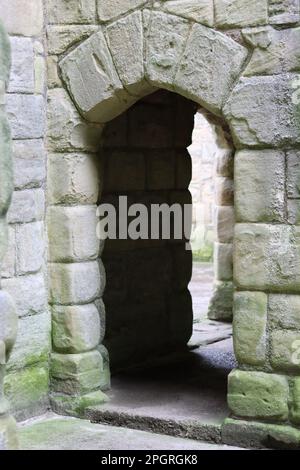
<point>147,157</point>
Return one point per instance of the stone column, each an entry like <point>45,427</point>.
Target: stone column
<point>8,317</point>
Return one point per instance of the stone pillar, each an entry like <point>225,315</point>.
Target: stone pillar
<point>8,318</point>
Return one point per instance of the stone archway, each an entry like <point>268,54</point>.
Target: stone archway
<point>125,60</point>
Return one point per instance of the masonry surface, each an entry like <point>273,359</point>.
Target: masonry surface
<point>98,93</point>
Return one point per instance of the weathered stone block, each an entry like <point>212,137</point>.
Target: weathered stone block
<point>61,38</point>
<point>259,186</point>
<point>201,12</point>
<point>27,206</point>
<point>224,222</point>
<point>21,289</point>
<point>126,43</point>
<point>221,303</point>
<point>293,174</point>
<point>283,12</point>
<point>105,376</point>
<point>223,262</point>
<point>66,129</point>
<point>207,54</point>
<point>8,264</point>
<point>71,11</point>
<point>278,54</point>
<point>22,17</point>
<point>231,13</point>
<point>75,283</point>
<point>266,257</point>
<point>261,112</point>
<point>76,373</point>
<point>166,40</point>
<point>114,8</point>
<point>76,406</point>
<point>224,188</point>
<point>91,78</point>
<point>53,79</point>
<point>249,327</point>
<point>22,69</point>
<point>33,344</point>
<point>29,163</point>
<point>8,321</point>
<point>285,347</point>
<point>284,311</point>
<point>295,400</point>
<point>26,114</point>
<point>293,211</point>
<point>30,247</point>
<point>27,391</point>
<point>75,329</point>
<point>258,395</point>
<point>72,233</point>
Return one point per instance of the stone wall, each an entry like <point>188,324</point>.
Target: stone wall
<point>145,157</point>
<point>24,266</point>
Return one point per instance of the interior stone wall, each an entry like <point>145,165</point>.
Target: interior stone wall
<point>145,157</point>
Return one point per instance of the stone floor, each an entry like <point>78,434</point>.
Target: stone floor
<point>51,432</point>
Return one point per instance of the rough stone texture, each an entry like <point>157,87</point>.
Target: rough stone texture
<point>266,257</point>
<point>283,12</point>
<point>232,13</point>
<point>259,186</point>
<point>258,395</point>
<point>224,223</point>
<point>285,350</point>
<point>207,54</point>
<point>250,327</point>
<point>21,289</point>
<point>61,38</point>
<point>22,17</point>
<point>72,233</point>
<point>29,163</point>
<point>223,261</point>
<point>30,247</point>
<point>293,174</point>
<point>75,329</point>
<point>22,70</point>
<point>76,283</point>
<point>27,206</point>
<point>284,311</point>
<point>221,303</point>
<point>115,8</point>
<point>295,408</point>
<point>71,11</point>
<point>26,115</point>
<point>261,112</point>
<point>201,12</point>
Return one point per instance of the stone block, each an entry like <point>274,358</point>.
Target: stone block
<point>33,345</point>
<point>161,170</point>
<point>61,38</point>
<point>29,163</point>
<point>75,329</point>
<point>22,17</point>
<point>295,400</point>
<point>6,173</point>
<point>200,12</point>
<point>237,13</point>
<point>8,321</point>
<point>40,75</point>
<point>75,283</point>
<point>27,206</point>
<point>259,186</point>
<point>26,115</point>
<point>126,171</point>
<point>166,39</point>
<point>223,262</point>
<point>293,211</point>
<point>105,376</point>
<point>91,78</point>
<point>72,179</point>
<point>67,131</point>
<point>284,311</point>
<point>221,303</point>
<point>71,11</point>
<point>30,247</point>
<point>8,264</point>
<point>76,406</point>
<point>72,233</point>
<point>282,12</point>
<point>3,237</point>
<point>53,79</point>
<point>27,391</point>
<point>278,54</point>
<point>74,374</point>
<point>114,8</point>
<point>21,290</point>
<point>285,350</point>
<point>22,67</point>
<point>224,188</point>
<point>293,174</point>
<point>266,257</point>
<point>224,222</point>
<point>250,327</point>
<point>209,54</point>
<point>126,44</point>
<point>258,395</point>
<point>259,116</point>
